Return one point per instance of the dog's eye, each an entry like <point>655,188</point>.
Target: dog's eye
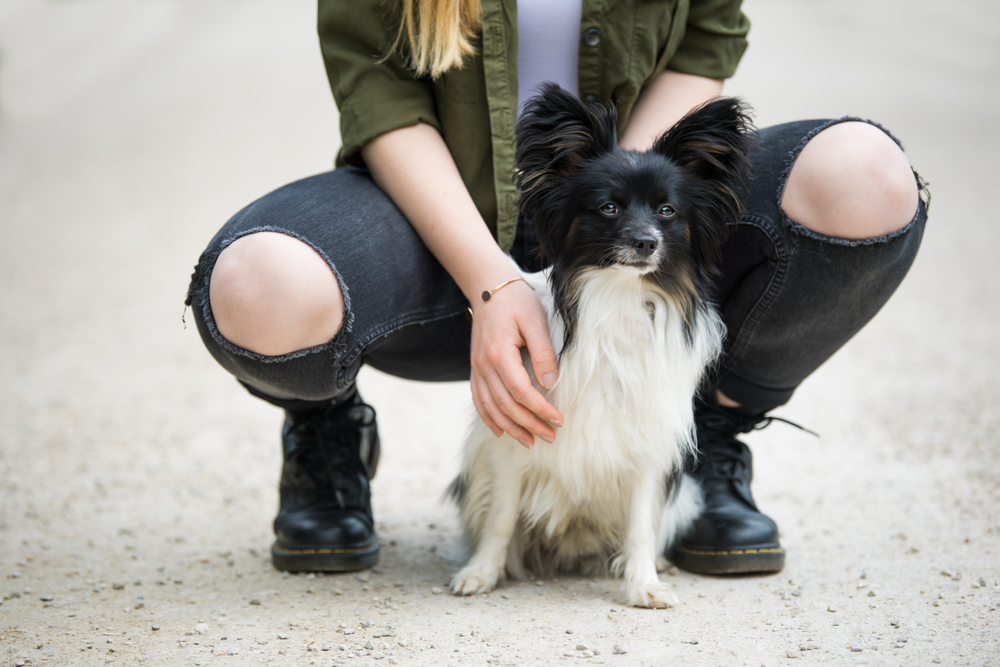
<point>667,211</point>
<point>609,209</point>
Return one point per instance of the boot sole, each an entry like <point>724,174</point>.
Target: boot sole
<point>750,560</point>
<point>340,559</point>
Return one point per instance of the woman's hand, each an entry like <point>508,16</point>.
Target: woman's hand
<point>501,388</point>
<point>413,166</point>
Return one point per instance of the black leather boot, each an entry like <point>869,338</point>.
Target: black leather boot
<point>731,536</point>
<point>325,521</point>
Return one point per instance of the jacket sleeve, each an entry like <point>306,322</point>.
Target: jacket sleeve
<point>374,93</point>
<point>714,41</point>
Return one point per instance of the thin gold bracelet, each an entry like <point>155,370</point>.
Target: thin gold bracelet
<point>488,294</point>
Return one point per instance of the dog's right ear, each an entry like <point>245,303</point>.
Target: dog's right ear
<point>556,131</point>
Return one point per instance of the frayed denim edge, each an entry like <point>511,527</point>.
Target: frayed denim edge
<point>851,243</point>
<point>337,345</point>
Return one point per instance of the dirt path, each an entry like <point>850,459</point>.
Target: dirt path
<point>137,480</point>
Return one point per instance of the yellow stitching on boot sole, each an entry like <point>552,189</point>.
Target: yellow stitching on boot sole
<point>345,550</point>
<point>733,552</point>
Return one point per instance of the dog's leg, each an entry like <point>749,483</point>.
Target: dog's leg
<point>642,588</point>
<point>487,564</point>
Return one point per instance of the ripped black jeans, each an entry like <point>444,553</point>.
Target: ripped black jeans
<point>789,297</point>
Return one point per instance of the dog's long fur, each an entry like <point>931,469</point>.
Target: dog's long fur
<point>632,239</point>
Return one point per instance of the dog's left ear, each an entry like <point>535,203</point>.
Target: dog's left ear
<point>712,143</point>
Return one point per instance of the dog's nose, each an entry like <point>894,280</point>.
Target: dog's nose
<point>644,245</point>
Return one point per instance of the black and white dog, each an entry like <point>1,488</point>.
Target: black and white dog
<point>632,239</point>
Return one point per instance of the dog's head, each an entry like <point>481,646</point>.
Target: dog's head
<point>661,214</point>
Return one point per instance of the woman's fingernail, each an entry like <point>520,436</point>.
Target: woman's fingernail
<point>556,422</point>
<point>546,438</point>
<point>527,443</point>
<point>497,432</point>
<point>549,380</point>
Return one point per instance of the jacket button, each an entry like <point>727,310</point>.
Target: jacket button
<point>592,99</point>
<point>592,37</point>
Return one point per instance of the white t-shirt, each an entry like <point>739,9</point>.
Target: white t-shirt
<point>548,45</point>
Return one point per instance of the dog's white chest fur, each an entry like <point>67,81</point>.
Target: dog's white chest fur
<point>595,497</point>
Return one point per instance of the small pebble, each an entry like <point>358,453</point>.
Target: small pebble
<point>900,644</point>
<point>693,642</point>
<point>581,647</point>
<point>871,594</point>
<point>894,624</point>
<point>349,631</point>
<point>201,628</point>
<point>791,654</point>
<point>856,649</point>
<point>325,647</point>
<point>369,645</point>
<point>797,592</point>
<point>155,628</point>
<point>618,650</point>
<point>569,632</point>
<point>436,590</point>
<point>46,598</point>
<point>282,635</point>
<point>255,601</point>
<point>947,573</point>
<point>118,585</point>
<point>831,608</point>
<point>936,661</point>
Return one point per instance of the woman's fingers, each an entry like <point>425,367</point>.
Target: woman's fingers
<point>491,412</point>
<point>543,356</point>
<point>502,388</point>
<point>513,407</point>
<point>519,399</point>
<point>484,414</point>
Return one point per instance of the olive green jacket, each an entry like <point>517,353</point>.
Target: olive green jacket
<point>623,45</point>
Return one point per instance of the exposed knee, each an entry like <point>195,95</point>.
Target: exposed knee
<point>273,294</point>
<point>851,181</point>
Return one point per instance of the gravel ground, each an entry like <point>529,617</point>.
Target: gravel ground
<point>137,480</point>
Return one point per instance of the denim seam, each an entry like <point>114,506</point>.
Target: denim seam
<point>745,333</point>
<point>336,345</point>
<point>801,229</point>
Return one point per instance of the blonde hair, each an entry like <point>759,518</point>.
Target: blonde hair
<point>439,33</point>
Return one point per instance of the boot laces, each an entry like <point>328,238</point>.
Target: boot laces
<point>721,456</point>
<point>327,455</point>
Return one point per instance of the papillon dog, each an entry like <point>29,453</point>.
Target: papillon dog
<point>632,240</point>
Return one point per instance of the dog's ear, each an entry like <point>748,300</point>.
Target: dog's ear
<point>556,131</point>
<point>713,143</point>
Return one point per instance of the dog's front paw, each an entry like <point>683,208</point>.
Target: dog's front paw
<point>473,579</point>
<point>655,595</point>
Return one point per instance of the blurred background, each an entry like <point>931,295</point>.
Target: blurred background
<point>131,130</point>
